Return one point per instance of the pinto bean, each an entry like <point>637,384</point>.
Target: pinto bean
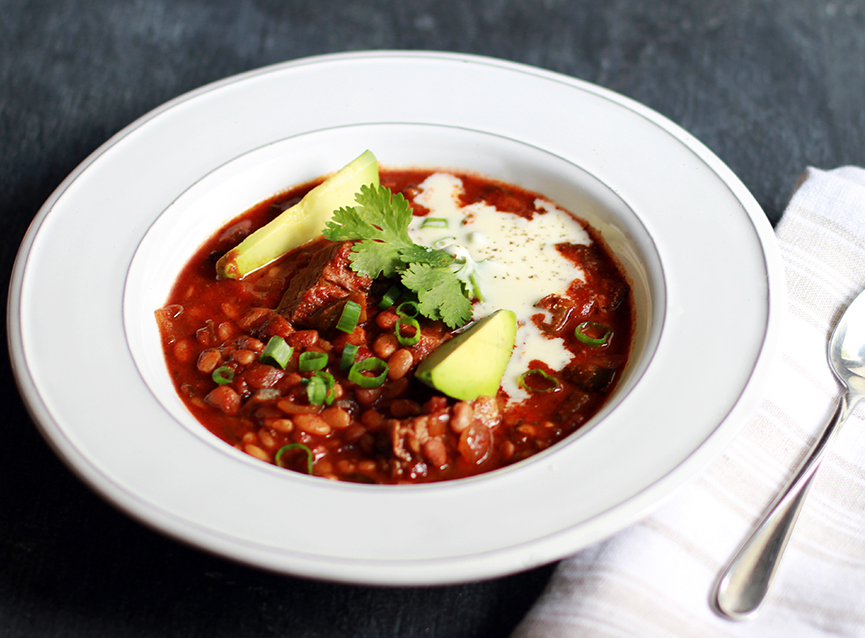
<point>257,452</point>
<point>266,439</point>
<point>367,396</point>
<point>462,418</point>
<point>336,417</point>
<point>394,389</point>
<point>208,360</point>
<point>353,433</point>
<point>385,345</point>
<point>399,364</point>
<point>290,407</point>
<point>231,310</point>
<point>344,467</point>
<point>401,408</point>
<point>475,443</point>
<point>386,320</point>
<point>372,419</point>
<point>367,466</point>
<point>312,424</point>
<point>183,351</point>
<point>435,452</point>
<point>250,343</point>
<point>206,335</point>
<point>260,375</point>
<point>224,398</point>
<point>487,411</point>
<point>226,330</point>
<point>280,425</point>
<point>243,357</point>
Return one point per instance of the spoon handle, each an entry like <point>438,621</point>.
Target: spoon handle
<point>745,581</point>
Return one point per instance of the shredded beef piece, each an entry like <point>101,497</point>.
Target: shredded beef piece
<point>487,411</point>
<point>570,410</point>
<point>318,291</point>
<point>433,334</point>
<point>560,308</point>
<point>263,323</point>
<point>589,377</point>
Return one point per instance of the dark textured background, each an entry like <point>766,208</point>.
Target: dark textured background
<point>770,86</point>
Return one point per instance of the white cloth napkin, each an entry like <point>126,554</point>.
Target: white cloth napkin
<point>654,579</point>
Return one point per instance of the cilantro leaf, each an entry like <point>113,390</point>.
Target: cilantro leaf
<point>379,226</point>
<point>375,258</point>
<point>379,215</point>
<point>381,219</point>
<point>421,254</point>
<point>439,292</point>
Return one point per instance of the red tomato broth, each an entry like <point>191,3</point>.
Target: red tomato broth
<point>402,432</point>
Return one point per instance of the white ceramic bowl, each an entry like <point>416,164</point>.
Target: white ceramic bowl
<point>108,244</point>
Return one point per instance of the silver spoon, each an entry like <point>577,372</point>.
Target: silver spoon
<point>744,583</point>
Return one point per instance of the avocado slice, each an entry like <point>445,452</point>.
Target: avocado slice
<point>302,222</point>
<point>472,363</point>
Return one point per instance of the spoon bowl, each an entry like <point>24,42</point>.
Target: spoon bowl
<point>745,581</point>
<point>847,346</point>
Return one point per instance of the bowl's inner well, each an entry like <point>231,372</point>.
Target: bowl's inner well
<point>255,176</point>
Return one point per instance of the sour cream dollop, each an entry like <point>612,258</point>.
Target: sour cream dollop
<point>516,263</point>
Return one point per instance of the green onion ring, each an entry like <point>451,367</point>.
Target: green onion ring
<point>390,297</point>
<point>372,364</point>
<point>223,375</point>
<point>319,388</point>
<point>349,317</point>
<point>316,390</point>
<point>544,375</point>
<point>592,341</point>
<point>276,353</point>
<point>434,222</point>
<point>407,309</point>
<point>294,446</point>
<point>311,361</point>
<point>444,241</point>
<point>476,289</point>
<point>349,352</point>
<point>411,322</point>
<point>329,382</point>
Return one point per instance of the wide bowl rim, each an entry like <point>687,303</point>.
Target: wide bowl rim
<point>456,566</point>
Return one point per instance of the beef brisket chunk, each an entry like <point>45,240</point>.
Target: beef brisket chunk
<point>318,291</point>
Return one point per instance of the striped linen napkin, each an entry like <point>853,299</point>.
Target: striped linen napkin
<point>655,578</point>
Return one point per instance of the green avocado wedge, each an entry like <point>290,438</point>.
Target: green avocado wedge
<point>302,222</point>
<point>472,363</point>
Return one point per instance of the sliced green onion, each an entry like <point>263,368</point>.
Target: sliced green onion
<point>349,352</point>
<point>294,446</point>
<point>476,289</point>
<point>223,375</point>
<point>319,388</point>
<point>409,322</point>
<point>390,297</point>
<point>372,364</point>
<point>547,379</point>
<point>310,361</point>
<point>444,241</point>
<point>594,328</point>
<point>407,309</point>
<point>316,390</point>
<point>276,353</point>
<point>349,317</point>
<point>434,222</point>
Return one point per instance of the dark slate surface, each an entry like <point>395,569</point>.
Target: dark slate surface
<point>770,86</point>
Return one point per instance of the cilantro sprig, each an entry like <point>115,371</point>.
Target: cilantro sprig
<point>378,225</point>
